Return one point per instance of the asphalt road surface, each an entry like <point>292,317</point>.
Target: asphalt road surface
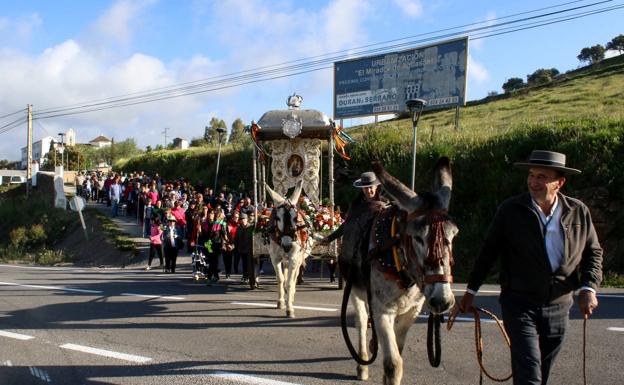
<point>130,326</point>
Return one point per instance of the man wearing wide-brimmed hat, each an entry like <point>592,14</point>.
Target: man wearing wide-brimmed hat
<point>548,247</point>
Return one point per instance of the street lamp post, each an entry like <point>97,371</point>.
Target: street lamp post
<point>415,106</point>
<point>62,135</point>
<point>220,130</point>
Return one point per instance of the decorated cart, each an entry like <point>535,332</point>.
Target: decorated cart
<point>288,149</point>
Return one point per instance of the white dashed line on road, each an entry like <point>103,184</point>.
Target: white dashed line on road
<point>16,336</point>
<point>614,329</point>
<point>7,363</point>
<point>40,374</point>
<point>244,378</point>
<point>52,288</point>
<point>151,296</point>
<point>106,353</point>
<point>260,304</point>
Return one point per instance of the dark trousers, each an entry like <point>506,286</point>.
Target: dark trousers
<point>536,333</point>
<point>213,261</point>
<point>171,255</point>
<point>244,258</point>
<point>227,262</point>
<point>155,249</point>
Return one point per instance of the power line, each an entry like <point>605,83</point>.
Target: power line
<point>349,51</point>
<point>12,113</point>
<point>282,70</point>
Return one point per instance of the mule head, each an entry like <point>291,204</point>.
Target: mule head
<point>284,216</point>
<point>427,233</point>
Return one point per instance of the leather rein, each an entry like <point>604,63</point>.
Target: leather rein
<point>299,232</point>
<point>399,239</point>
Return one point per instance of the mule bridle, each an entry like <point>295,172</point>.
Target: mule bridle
<point>296,232</point>
<point>436,244</point>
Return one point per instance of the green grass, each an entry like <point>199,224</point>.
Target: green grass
<point>120,239</point>
<point>580,114</point>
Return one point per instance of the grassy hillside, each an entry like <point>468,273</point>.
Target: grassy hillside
<point>581,114</point>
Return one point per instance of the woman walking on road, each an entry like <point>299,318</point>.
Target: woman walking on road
<point>155,243</point>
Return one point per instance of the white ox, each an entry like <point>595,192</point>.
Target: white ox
<point>290,244</point>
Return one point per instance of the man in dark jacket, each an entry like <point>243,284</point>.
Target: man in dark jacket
<point>548,247</point>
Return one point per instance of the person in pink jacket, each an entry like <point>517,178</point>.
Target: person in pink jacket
<point>155,242</point>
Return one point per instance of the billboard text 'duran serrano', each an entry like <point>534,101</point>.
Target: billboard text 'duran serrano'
<point>381,84</point>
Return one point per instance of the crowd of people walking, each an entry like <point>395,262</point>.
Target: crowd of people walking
<point>177,215</point>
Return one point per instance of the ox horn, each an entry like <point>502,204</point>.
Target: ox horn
<point>294,198</point>
<point>443,181</point>
<point>275,196</point>
<point>404,197</point>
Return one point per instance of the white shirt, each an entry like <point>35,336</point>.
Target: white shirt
<point>553,234</point>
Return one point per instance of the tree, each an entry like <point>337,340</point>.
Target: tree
<point>616,44</point>
<point>148,148</point>
<point>237,135</point>
<point>213,135</point>
<point>198,142</point>
<point>542,76</point>
<point>592,54</point>
<point>513,84</point>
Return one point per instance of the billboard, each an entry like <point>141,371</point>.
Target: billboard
<point>381,84</point>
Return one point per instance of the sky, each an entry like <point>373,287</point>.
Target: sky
<point>60,53</point>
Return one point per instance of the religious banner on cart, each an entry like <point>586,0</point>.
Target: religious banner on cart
<point>294,160</point>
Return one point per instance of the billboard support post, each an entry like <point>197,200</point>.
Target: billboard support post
<point>415,106</point>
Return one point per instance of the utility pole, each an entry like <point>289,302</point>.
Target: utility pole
<point>29,149</point>
<point>165,133</point>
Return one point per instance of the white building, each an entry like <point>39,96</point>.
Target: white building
<point>180,143</point>
<point>40,149</point>
<point>100,141</point>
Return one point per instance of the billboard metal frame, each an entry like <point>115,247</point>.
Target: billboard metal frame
<point>334,104</point>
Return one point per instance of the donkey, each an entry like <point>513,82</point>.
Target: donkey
<point>400,262</point>
<point>290,244</point>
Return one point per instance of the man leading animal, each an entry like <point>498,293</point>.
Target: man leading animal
<point>548,247</point>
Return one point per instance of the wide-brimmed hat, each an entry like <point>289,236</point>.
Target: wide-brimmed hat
<point>367,179</point>
<point>171,218</point>
<point>548,159</point>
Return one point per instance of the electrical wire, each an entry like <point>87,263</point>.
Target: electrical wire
<point>350,50</point>
<point>201,87</point>
<point>325,61</point>
<point>12,113</point>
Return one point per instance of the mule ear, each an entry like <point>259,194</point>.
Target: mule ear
<point>294,198</point>
<point>276,197</point>
<point>443,181</point>
<point>400,194</point>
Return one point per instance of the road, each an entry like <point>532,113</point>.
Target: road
<point>130,326</point>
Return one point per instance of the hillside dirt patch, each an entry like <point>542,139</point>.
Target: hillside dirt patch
<point>97,250</point>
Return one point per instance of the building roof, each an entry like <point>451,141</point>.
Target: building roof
<point>100,138</point>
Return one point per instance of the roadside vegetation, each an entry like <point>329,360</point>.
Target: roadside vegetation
<point>30,228</point>
<point>580,113</point>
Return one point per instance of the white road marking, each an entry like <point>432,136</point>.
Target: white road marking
<point>8,363</point>
<point>467,319</point>
<point>52,288</point>
<point>480,291</point>
<point>16,336</point>
<point>106,353</point>
<point>40,374</point>
<point>244,378</point>
<point>609,295</point>
<point>259,304</point>
<point>614,329</point>
<point>44,268</point>
<point>151,296</point>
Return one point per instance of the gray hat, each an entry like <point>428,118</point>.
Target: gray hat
<point>367,179</point>
<point>548,159</point>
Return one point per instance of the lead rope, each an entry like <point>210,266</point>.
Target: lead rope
<point>584,351</point>
<point>479,340</point>
<point>434,352</point>
<point>345,333</point>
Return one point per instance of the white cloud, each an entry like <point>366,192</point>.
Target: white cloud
<point>18,32</point>
<point>477,71</point>
<point>119,22</point>
<point>487,21</point>
<point>412,8</point>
